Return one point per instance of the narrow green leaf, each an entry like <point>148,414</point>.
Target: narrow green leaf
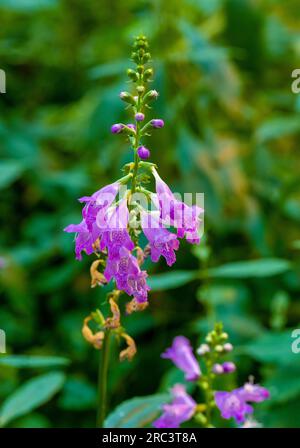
<point>266,267</point>
<point>31,395</point>
<point>171,280</point>
<point>29,362</point>
<point>136,413</point>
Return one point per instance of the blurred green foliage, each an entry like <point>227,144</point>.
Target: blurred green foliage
<point>223,70</point>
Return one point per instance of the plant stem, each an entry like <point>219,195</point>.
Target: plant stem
<point>102,381</point>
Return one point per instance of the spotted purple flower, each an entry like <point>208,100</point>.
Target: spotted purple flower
<point>232,404</point>
<point>180,410</point>
<point>129,278</point>
<point>162,242</point>
<point>114,230</point>
<point>235,403</point>
<point>181,354</point>
<point>176,213</point>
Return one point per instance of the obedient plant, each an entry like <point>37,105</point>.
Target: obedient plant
<point>114,217</point>
<point>232,405</point>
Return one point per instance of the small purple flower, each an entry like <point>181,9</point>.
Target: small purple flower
<point>177,213</point>
<point>180,410</point>
<point>157,123</point>
<point>117,128</point>
<point>162,242</point>
<point>143,152</point>
<point>232,404</point>
<point>139,116</point>
<point>181,354</point>
<point>228,367</point>
<point>96,206</point>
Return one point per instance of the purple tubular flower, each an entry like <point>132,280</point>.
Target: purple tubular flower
<point>181,354</point>
<point>228,367</point>
<point>87,232</point>
<point>234,404</point>
<point>128,276</point>
<point>84,238</point>
<point>180,410</point>
<point>143,152</point>
<point>117,128</point>
<point>177,213</point>
<point>115,234</point>
<point>162,242</point>
<point>231,404</point>
<point>254,393</point>
<point>157,123</point>
<point>139,116</point>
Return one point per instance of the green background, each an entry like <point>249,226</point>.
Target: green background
<point>223,70</point>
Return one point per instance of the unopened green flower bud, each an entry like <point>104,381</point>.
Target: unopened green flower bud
<point>204,385</point>
<point>224,336</point>
<point>132,74</point>
<point>140,89</point>
<point>208,338</point>
<point>146,57</point>
<point>200,418</point>
<point>148,73</point>
<point>219,348</point>
<point>140,69</point>
<point>125,96</point>
<point>150,96</point>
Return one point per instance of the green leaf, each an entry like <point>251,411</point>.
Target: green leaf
<point>284,385</point>
<point>273,348</point>
<point>171,280</point>
<point>27,5</point>
<point>265,267</point>
<point>10,170</point>
<point>29,362</point>
<point>31,395</point>
<point>136,413</point>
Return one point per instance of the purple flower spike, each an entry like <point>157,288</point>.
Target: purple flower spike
<point>143,152</point>
<point>180,410</point>
<point>181,354</point>
<point>139,116</point>
<point>162,242</point>
<point>157,123</point>
<point>228,367</point>
<point>117,128</point>
<point>231,404</point>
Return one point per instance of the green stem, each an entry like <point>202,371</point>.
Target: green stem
<point>102,381</point>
